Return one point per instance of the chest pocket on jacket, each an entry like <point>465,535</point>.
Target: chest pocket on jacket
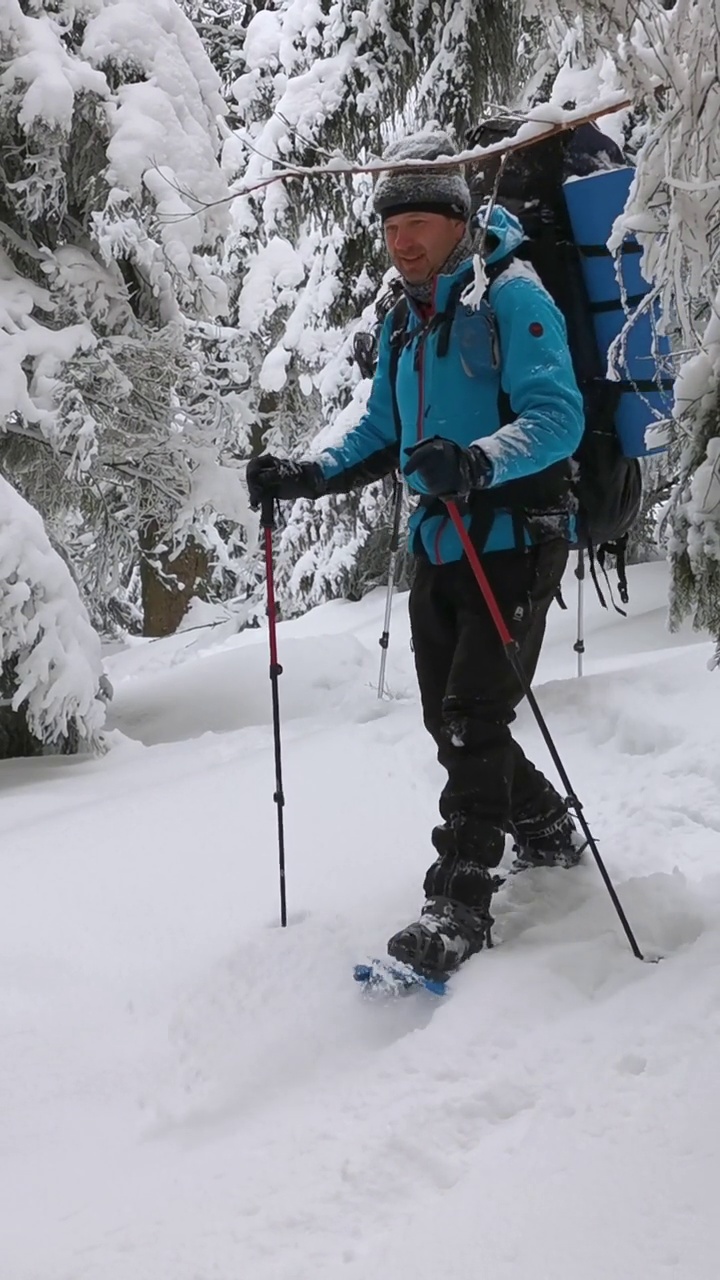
<point>476,337</point>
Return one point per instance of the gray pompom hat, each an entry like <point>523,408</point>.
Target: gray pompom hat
<point>436,190</point>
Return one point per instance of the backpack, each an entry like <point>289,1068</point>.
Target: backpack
<point>608,485</point>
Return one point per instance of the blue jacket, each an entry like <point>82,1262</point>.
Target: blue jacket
<point>514,342</point>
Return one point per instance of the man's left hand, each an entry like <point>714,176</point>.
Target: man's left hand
<point>446,470</point>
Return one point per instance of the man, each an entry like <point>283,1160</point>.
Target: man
<point>488,413</point>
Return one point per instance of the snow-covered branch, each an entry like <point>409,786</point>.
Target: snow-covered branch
<point>45,634</point>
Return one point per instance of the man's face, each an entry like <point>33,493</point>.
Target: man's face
<point>419,243</point>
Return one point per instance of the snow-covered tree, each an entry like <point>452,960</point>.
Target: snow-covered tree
<point>109,283</point>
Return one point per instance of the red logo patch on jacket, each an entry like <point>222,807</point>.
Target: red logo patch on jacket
<point>536,329</point>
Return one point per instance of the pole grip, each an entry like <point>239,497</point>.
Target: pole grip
<point>397,512</point>
<point>267,513</point>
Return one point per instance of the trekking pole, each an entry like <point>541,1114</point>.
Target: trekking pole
<point>267,521</point>
<point>579,645</point>
<point>394,544</point>
<point>511,649</point>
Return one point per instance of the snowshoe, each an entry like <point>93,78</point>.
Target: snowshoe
<point>390,977</point>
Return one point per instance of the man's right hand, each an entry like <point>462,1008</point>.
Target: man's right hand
<point>271,477</point>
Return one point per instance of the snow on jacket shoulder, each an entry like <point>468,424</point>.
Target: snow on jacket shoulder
<point>515,342</point>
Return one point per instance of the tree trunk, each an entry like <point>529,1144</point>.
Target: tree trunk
<point>168,585</point>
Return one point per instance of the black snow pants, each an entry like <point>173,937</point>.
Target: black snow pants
<point>469,692</point>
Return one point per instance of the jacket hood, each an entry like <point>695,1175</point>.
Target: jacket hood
<point>504,226</point>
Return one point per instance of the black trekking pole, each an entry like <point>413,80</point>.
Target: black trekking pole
<point>394,544</point>
<point>267,521</point>
<point>579,645</point>
<point>511,649</point>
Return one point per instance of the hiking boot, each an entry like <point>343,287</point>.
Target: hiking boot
<point>446,934</point>
<point>554,844</point>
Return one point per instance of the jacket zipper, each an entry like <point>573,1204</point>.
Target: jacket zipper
<point>438,535</point>
<point>421,367</point>
<point>421,416</point>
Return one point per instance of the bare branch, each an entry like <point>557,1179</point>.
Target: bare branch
<point>534,130</point>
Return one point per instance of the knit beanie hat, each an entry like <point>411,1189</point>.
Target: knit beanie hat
<point>435,190</point>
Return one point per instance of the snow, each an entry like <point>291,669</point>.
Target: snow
<point>706,481</point>
<point>475,292</point>
<point>274,266</point>
<point>191,1093</point>
<point>25,342</point>
<point>262,40</point>
<point>273,372</point>
<point>50,76</point>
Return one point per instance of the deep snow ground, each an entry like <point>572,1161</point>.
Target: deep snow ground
<point>190,1093</point>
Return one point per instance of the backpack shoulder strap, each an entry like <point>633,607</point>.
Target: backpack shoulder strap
<point>494,270</point>
<point>443,320</point>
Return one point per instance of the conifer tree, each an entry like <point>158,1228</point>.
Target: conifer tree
<point>109,232</point>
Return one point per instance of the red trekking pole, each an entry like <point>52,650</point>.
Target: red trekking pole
<point>513,655</point>
<point>267,521</point>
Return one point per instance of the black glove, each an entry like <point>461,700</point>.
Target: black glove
<point>446,470</point>
<point>269,477</point>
